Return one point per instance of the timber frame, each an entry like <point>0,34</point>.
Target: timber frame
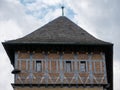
<point>107,49</point>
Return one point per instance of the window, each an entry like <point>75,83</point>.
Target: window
<point>68,66</point>
<point>82,66</point>
<point>38,66</point>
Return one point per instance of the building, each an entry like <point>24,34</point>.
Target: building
<point>61,56</point>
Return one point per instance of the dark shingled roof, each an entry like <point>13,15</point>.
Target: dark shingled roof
<point>59,31</point>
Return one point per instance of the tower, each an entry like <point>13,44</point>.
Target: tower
<point>61,56</point>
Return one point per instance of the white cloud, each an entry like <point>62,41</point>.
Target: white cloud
<point>5,76</point>
<point>51,2</point>
<point>9,30</point>
<point>15,11</point>
<point>27,1</point>
<point>101,19</point>
<point>14,23</point>
<point>116,75</point>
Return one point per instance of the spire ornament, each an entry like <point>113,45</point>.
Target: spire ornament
<point>62,10</point>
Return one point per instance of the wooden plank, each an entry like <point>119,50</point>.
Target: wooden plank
<point>72,66</point>
<point>58,88</point>
<point>20,65</point>
<point>94,66</point>
<point>16,65</point>
<point>50,65</point>
<point>76,68</point>
<point>16,60</point>
<point>31,68</point>
<point>91,71</point>
<point>42,65</point>
<point>61,68</point>
<point>57,66</point>
<point>100,66</point>
<point>31,63</point>
<point>86,66</point>
<point>105,70</point>
<point>26,65</point>
<point>46,68</point>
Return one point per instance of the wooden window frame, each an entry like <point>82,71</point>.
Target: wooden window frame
<point>83,66</point>
<point>68,66</point>
<point>38,66</point>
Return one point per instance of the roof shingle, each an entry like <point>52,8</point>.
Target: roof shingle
<point>59,31</point>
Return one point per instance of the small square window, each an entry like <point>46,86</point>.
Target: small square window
<point>68,66</point>
<point>38,66</point>
<point>83,66</point>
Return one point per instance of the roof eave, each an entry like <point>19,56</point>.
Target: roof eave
<point>57,43</point>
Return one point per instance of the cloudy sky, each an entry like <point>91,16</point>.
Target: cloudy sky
<point>101,18</point>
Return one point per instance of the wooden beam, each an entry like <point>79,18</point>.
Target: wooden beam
<point>46,68</point>
<point>91,71</point>
<point>16,60</point>
<point>57,66</point>
<point>16,65</point>
<point>76,68</point>
<point>105,70</point>
<point>61,68</point>
<point>31,67</point>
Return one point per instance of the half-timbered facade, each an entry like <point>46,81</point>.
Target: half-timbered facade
<point>61,55</point>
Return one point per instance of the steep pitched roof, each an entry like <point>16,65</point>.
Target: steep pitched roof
<point>59,31</point>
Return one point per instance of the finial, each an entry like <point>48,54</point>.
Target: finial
<point>62,10</point>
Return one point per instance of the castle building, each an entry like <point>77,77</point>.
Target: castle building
<point>61,56</point>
